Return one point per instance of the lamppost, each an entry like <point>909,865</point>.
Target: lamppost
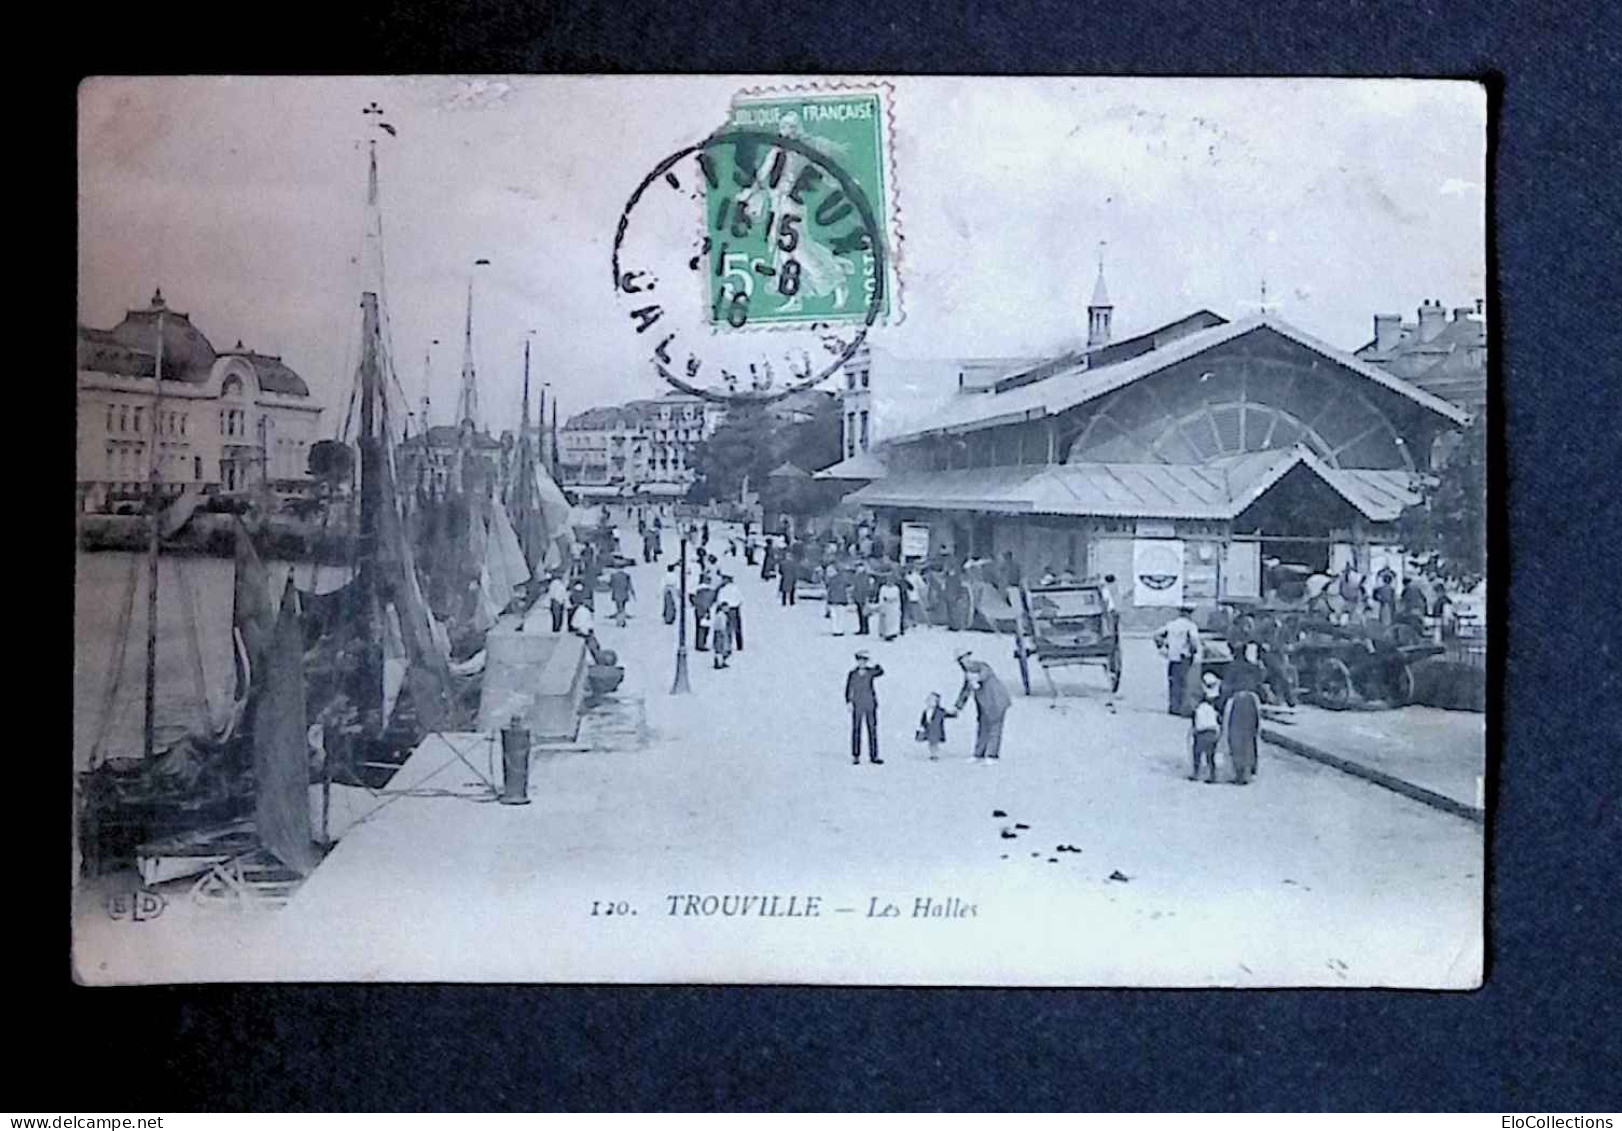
<point>681,686</point>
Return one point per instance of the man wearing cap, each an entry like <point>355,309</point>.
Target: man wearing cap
<point>1179,642</point>
<point>730,598</point>
<point>991,703</point>
<point>862,699</point>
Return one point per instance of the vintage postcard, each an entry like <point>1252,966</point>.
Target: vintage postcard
<point>781,529</point>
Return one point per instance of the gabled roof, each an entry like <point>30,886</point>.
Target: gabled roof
<point>788,470</point>
<point>1219,490</point>
<point>1068,389</point>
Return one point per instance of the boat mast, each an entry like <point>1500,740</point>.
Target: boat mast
<point>526,459</point>
<point>371,494</point>
<point>369,698</point>
<point>553,470</point>
<point>149,734</point>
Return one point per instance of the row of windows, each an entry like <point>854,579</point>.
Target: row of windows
<point>131,460</point>
<point>127,418</point>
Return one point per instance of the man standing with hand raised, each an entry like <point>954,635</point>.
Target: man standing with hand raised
<point>862,699</point>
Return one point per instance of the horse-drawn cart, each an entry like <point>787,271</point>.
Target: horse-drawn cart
<point>1067,625</point>
<point>1341,664</point>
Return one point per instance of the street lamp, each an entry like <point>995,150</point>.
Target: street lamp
<point>681,686</point>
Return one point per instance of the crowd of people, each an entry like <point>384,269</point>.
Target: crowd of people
<point>865,588</point>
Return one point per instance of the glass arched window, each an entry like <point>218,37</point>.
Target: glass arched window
<point>1208,409</point>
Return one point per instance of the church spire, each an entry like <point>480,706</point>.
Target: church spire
<point>1099,309</point>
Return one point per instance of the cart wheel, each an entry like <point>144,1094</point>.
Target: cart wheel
<point>1400,685</point>
<point>1333,685</point>
<point>1115,670</point>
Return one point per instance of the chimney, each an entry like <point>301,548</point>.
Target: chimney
<point>1432,319</point>
<point>1387,332</point>
<point>1462,313</point>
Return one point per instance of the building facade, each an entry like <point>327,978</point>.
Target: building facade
<point>1203,461</point>
<point>642,447</point>
<point>222,421</point>
<point>447,459</point>
<point>1442,355</point>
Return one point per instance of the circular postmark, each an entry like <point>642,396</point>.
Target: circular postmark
<point>784,274</point>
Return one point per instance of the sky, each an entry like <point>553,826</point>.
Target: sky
<point>244,199</point>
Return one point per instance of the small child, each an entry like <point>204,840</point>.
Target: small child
<point>1207,725</point>
<point>932,724</point>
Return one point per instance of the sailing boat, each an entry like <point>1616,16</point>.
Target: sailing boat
<point>377,660</point>
<point>540,513</point>
<point>189,766</point>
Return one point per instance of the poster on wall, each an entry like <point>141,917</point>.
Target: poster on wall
<point>1200,571</point>
<point>1241,570</point>
<point>914,540</point>
<point>1157,571</point>
<point>1386,557</point>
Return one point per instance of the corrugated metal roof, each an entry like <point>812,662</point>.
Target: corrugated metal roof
<point>1218,490</point>
<point>862,465</point>
<point>1077,385</point>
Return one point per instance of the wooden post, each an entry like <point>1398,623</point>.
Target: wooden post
<point>681,686</point>
<point>149,737</point>
<point>1021,611</point>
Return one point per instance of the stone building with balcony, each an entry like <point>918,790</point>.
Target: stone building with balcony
<point>644,448</point>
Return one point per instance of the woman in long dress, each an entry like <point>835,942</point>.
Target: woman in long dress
<point>721,634</point>
<point>1242,710</point>
<point>889,608</point>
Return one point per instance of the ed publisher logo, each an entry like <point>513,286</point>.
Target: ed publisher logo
<point>138,906</point>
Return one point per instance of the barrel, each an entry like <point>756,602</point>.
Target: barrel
<point>515,765</point>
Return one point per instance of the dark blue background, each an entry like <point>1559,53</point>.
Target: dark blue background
<point>1542,1035</point>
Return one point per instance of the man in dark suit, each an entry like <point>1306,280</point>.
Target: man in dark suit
<point>788,577</point>
<point>863,700</point>
<point>991,703</point>
<point>862,594</point>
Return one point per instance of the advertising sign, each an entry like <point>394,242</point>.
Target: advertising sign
<point>1157,572</point>
<point>1242,569</point>
<point>914,540</point>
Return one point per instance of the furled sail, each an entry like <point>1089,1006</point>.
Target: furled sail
<point>253,609</point>
<point>549,517</point>
<point>281,760</point>
<point>507,554</point>
<point>175,516</point>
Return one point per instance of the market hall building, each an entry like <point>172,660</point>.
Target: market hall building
<point>1191,462</point>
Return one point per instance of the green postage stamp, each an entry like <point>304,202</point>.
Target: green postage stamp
<point>783,256</point>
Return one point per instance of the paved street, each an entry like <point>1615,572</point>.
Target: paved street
<point>1308,876</point>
